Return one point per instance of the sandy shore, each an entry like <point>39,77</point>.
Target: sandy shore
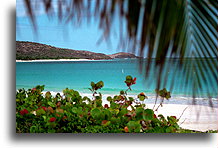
<point>53,60</point>
<point>195,117</point>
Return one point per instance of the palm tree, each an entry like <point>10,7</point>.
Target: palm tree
<point>158,29</point>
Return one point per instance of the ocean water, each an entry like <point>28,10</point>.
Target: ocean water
<point>77,75</point>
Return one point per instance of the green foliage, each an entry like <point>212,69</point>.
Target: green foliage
<point>163,93</point>
<point>134,126</point>
<point>142,97</point>
<point>71,113</point>
<point>97,86</point>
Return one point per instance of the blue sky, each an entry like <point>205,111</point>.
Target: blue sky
<point>50,31</point>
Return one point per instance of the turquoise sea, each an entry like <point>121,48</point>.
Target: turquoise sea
<point>77,75</point>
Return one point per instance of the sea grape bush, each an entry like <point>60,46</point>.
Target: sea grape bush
<point>72,113</point>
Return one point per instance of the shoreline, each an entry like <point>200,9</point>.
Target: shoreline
<point>55,60</point>
<point>63,60</point>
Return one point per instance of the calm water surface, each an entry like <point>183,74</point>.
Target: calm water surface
<point>77,75</point>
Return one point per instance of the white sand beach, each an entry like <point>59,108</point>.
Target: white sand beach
<point>193,117</point>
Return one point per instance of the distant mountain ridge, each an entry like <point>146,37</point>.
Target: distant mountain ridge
<point>32,51</point>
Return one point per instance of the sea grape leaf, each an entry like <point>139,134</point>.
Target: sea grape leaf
<point>99,85</point>
<point>168,95</point>
<point>44,117</point>
<point>116,111</point>
<point>96,113</point>
<point>129,78</point>
<point>148,114</point>
<point>33,129</point>
<point>107,114</point>
<point>51,104</point>
<point>141,98</point>
<point>113,105</point>
<point>115,120</point>
<point>123,112</point>
<point>134,126</point>
<point>74,110</point>
<point>170,129</point>
<point>47,95</point>
<point>139,113</point>
<point>109,98</point>
<point>122,92</point>
<point>93,85</point>
<point>139,110</point>
<point>131,99</point>
<point>40,112</point>
<point>79,110</point>
<point>76,94</point>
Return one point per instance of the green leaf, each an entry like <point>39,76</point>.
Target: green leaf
<point>98,103</point>
<point>122,92</point>
<point>48,95</point>
<point>169,129</point>
<point>148,114</point>
<point>79,110</point>
<point>134,126</point>
<point>40,112</point>
<point>168,95</point>
<point>131,99</point>
<point>33,129</point>
<point>107,114</point>
<point>115,120</point>
<point>51,104</point>
<point>96,113</point>
<point>74,110</point>
<point>139,113</point>
<point>116,111</point>
<point>76,94</point>
<point>99,85</point>
<point>93,85</point>
<point>113,105</point>
<point>129,78</point>
<point>45,118</point>
<point>141,98</point>
<point>122,112</point>
<point>109,98</point>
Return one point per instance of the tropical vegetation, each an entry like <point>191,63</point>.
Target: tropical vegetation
<point>71,113</point>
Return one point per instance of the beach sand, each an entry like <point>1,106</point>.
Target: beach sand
<point>193,117</point>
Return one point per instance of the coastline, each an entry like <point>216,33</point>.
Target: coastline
<point>65,60</point>
<point>54,60</point>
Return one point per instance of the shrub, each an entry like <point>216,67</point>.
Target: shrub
<point>72,113</point>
